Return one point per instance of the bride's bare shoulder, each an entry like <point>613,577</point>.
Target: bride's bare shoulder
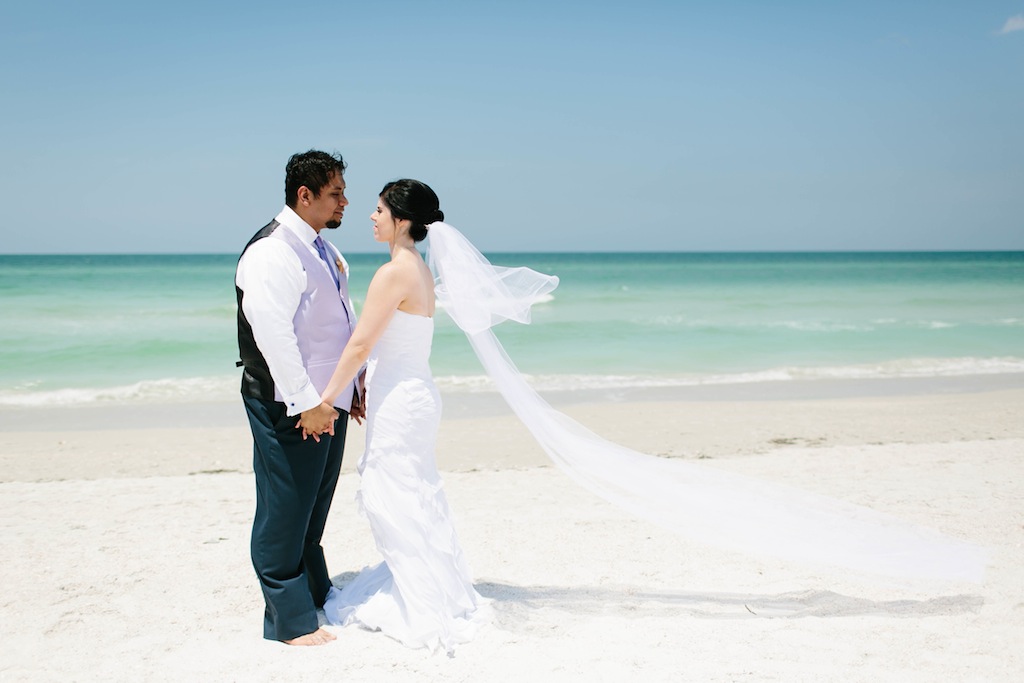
<point>397,271</point>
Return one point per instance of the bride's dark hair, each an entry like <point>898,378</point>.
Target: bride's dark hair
<point>414,201</point>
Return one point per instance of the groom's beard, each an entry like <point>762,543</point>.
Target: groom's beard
<point>332,224</point>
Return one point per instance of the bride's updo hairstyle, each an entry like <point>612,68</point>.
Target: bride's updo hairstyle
<point>414,201</point>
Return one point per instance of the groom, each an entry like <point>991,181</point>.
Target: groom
<point>294,319</point>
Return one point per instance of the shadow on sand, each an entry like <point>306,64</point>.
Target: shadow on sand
<point>521,600</point>
<point>810,603</point>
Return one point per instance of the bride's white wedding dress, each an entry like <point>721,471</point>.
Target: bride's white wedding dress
<point>421,594</point>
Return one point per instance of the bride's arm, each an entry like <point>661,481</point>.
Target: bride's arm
<point>386,292</point>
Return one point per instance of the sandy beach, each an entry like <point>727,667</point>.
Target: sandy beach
<point>126,534</point>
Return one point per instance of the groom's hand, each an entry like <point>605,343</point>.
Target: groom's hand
<point>358,410</point>
<point>316,421</point>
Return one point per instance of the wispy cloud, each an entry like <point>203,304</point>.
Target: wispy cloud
<point>1014,23</point>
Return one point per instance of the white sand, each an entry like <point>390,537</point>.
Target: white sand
<point>126,553</point>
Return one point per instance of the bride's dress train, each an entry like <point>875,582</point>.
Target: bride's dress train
<point>422,593</point>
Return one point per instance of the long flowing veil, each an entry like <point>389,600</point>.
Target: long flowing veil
<point>719,508</point>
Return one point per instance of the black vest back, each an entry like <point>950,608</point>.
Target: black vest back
<point>256,379</point>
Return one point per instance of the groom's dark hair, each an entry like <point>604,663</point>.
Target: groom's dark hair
<point>313,169</point>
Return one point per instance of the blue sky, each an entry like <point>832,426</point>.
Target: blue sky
<point>543,126</point>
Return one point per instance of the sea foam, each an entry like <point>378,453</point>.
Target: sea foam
<point>225,387</point>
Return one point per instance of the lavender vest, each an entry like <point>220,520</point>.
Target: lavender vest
<point>322,326</point>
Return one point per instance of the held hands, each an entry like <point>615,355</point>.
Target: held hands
<point>358,411</point>
<point>316,421</point>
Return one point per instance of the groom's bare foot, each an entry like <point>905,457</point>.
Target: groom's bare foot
<point>317,637</point>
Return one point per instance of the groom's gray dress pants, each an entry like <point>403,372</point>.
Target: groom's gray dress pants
<point>295,482</point>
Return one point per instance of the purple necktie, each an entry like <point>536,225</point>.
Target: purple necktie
<point>321,249</point>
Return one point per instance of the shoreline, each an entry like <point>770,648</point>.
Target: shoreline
<point>179,414</point>
<point>181,439</point>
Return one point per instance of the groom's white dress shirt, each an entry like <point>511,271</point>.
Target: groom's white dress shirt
<point>272,280</point>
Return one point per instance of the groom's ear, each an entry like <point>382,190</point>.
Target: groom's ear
<point>304,195</point>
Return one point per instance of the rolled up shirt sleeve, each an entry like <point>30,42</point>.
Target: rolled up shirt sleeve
<point>272,280</point>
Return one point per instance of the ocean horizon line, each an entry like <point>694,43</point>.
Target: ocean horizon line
<point>596,252</point>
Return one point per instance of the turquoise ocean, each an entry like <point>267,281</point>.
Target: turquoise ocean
<point>93,329</point>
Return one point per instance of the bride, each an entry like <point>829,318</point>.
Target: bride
<point>422,593</point>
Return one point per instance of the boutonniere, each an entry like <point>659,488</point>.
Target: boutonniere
<point>341,266</point>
